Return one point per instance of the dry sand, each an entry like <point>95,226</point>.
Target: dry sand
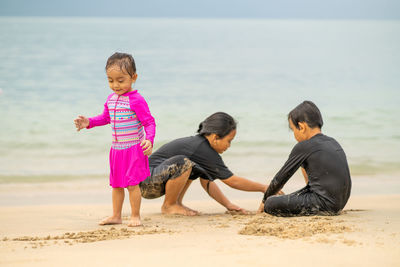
<point>367,233</point>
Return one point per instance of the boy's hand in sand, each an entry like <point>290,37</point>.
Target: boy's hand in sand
<point>261,208</point>
<point>147,147</point>
<point>81,122</point>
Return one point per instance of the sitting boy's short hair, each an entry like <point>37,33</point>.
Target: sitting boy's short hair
<point>306,112</point>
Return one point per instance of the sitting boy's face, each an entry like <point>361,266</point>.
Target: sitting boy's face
<point>299,134</point>
<point>304,132</point>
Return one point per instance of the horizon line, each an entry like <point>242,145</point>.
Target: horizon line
<point>198,17</point>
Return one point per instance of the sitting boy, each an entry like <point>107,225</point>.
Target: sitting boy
<point>324,167</point>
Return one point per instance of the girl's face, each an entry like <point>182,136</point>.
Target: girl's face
<point>119,81</point>
<point>222,144</point>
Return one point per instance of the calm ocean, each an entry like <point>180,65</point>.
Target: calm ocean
<point>52,69</point>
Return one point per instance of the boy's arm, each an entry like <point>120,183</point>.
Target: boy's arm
<point>296,158</point>
<point>139,105</point>
<point>304,174</point>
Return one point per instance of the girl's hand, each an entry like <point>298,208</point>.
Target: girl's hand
<point>81,122</point>
<point>147,147</point>
<point>233,208</point>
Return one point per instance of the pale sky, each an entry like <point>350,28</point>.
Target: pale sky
<point>307,9</point>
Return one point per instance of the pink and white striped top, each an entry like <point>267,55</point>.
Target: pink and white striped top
<point>128,115</point>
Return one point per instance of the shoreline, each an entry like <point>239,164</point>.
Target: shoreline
<point>97,191</point>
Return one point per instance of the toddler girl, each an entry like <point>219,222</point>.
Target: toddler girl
<point>128,113</point>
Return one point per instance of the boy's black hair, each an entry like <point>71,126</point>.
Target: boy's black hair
<point>306,112</point>
<point>124,61</point>
<point>219,123</point>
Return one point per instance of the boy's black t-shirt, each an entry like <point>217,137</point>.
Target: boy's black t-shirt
<point>326,165</point>
<point>208,163</point>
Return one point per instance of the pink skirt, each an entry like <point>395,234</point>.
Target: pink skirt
<point>128,167</point>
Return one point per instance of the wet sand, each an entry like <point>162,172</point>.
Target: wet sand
<point>367,233</point>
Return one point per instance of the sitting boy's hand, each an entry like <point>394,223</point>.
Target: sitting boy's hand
<point>279,193</point>
<point>147,147</point>
<point>261,208</point>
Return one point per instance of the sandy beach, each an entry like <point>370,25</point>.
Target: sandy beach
<point>49,233</point>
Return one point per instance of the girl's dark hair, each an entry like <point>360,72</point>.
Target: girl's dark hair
<point>219,123</point>
<point>306,112</point>
<point>124,61</point>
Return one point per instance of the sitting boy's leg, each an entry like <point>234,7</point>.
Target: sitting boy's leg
<point>300,203</point>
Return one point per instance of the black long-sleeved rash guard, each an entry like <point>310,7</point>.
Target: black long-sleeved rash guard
<point>326,166</point>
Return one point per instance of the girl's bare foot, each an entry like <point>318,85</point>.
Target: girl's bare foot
<point>191,210</point>
<point>135,221</point>
<point>111,220</point>
<point>177,209</point>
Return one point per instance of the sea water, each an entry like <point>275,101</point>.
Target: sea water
<point>52,69</point>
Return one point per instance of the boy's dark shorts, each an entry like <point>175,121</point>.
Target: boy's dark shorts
<point>154,186</point>
<point>300,203</point>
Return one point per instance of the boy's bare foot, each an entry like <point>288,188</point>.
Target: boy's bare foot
<point>111,220</point>
<point>135,221</point>
<point>177,209</point>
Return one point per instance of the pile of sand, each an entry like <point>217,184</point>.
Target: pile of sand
<point>294,227</point>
